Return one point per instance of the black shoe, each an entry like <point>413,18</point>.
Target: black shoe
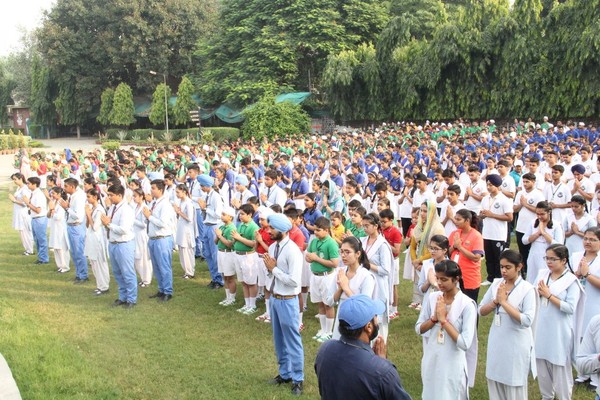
<point>26,253</point>
<point>217,286</point>
<point>80,281</point>
<point>157,295</point>
<point>211,285</point>
<point>128,305</point>
<point>118,302</point>
<point>297,388</point>
<point>278,380</point>
<point>99,292</point>
<point>38,262</point>
<point>165,298</point>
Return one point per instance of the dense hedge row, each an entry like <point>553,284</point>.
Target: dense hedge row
<point>137,135</point>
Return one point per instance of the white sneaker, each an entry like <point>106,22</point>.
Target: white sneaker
<point>228,303</point>
<point>486,283</point>
<point>318,335</point>
<point>223,302</point>
<point>242,310</point>
<point>250,311</point>
<point>324,338</point>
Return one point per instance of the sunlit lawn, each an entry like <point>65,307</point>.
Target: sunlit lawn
<point>63,343</point>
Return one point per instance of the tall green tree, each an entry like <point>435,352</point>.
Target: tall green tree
<point>106,106</point>
<point>43,92</point>
<point>185,103</point>
<point>123,107</point>
<point>157,109</point>
<point>7,84</point>
<point>91,45</point>
<point>265,47</point>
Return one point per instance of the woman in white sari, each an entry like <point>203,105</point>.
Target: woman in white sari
<point>381,265</point>
<point>59,239</point>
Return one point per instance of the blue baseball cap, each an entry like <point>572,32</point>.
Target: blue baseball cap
<point>358,310</point>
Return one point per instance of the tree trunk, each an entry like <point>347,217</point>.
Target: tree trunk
<point>78,131</point>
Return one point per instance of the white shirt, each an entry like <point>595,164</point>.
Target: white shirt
<point>478,188</point>
<point>121,225</point>
<point>214,208</point>
<point>287,273</point>
<point>526,217</point>
<point>162,220</point>
<point>494,229</point>
<point>275,195</point>
<point>38,200</point>
<point>77,207</point>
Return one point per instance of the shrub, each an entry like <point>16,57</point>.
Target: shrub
<point>12,140</point>
<point>111,145</point>
<point>222,134</point>
<point>3,142</point>
<point>36,144</point>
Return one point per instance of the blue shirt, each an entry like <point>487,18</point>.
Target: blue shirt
<point>349,369</point>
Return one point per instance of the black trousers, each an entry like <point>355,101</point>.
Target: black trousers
<point>406,223</point>
<point>523,249</point>
<point>492,249</point>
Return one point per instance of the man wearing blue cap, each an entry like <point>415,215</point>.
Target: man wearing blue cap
<point>349,368</point>
<point>211,207</point>
<point>284,263</point>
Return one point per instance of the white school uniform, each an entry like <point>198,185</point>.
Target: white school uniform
<point>537,251</point>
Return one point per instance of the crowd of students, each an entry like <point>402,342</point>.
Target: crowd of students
<point>439,197</point>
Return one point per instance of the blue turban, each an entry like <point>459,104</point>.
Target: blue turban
<point>578,168</point>
<point>280,222</point>
<point>242,180</point>
<point>206,180</point>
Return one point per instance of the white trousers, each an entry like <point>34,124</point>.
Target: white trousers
<point>554,380</point>
<point>187,259</point>
<point>27,239</point>
<point>500,391</point>
<point>100,270</point>
<point>62,258</point>
<point>143,266</point>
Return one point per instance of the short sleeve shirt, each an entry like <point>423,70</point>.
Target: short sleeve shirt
<point>326,249</point>
<point>246,230</point>
<point>226,231</point>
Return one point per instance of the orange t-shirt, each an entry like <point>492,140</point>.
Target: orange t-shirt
<point>471,270</point>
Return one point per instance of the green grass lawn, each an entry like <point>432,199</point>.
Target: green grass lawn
<point>61,342</point>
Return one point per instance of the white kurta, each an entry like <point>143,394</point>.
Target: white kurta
<point>574,242</point>
<point>510,343</point>
<point>444,369</point>
<point>140,233</point>
<point>537,251</point>
<point>21,218</point>
<point>187,231</point>
<point>591,306</point>
<point>555,327</point>
<point>59,238</point>
<point>96,246</point>
<point>363,282</point>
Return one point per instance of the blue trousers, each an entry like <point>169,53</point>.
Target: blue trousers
<point>38,228</point>
<point>200,223</point>
<point>210,250</point>
<point>122,257</point>
<point>287,339</point>
<point>161,254</point>
<point>77,245</point>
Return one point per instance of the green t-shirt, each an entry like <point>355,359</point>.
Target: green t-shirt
<point>357,232</point>
<point>226,231</point>
<point>246,230</point>
<point>326,249</point>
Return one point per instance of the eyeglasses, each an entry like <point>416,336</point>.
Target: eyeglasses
<point>551,259</point>
<point>587,239</point>
<point>431,249</point>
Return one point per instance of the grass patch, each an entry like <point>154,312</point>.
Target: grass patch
<point>63,343</point>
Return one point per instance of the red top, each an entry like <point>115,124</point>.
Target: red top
<point>393,237</point>
<point>297,237</point>
<point>471,270</point>
<point>266,237</point>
